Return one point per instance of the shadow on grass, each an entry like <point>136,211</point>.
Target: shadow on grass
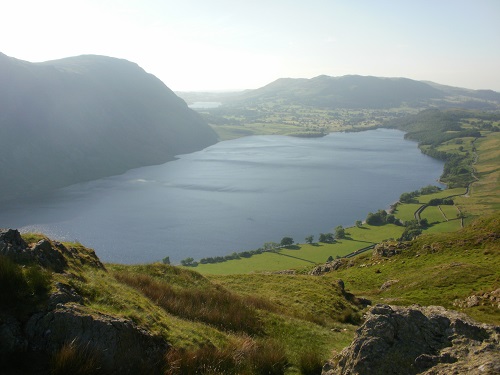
<point>291,256</point>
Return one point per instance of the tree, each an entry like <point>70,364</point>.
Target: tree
<point>330,259</point>
<point>359,223</point>
<point>166,260</point>
<point>310,239</point>
<point>286,241</point>
<point>189,262</point>
<point>339,232</point>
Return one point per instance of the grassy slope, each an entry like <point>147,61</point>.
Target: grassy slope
<point>485,194</point>
<point>438,269</point>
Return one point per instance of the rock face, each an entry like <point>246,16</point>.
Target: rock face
<point>419,340</point>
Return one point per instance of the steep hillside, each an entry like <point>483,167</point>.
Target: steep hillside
<point>86,117</point>
<point>62,311</point>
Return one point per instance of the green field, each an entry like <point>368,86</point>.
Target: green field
<point>304,255</point>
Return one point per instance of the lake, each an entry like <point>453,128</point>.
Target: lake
<point>233,196</point>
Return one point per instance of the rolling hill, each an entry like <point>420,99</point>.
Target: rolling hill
<point>356,92</point>
<point>87,117</point>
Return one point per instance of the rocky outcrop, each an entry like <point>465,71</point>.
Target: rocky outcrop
<point>330,266</point>
<point>30,335</point>
<point>11,242</point>
<point>121,346</point>
<point>48,254</point>
<point>419,340</point>
<point>389,249</point>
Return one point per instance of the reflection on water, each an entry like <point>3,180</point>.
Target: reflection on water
<point>232,196</point>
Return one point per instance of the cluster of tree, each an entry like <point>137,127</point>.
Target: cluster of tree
<point>431,128</point>
<point>434,127</point>
<point>441,201</point>
<point>381,217</point>
<point>329,237</point>
<point>268,246</point>
<point>234,255</point>
<point>410,197</point>
<point>413,228</point>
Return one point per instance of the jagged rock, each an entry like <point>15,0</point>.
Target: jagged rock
<point>419,340</point>
<point>327,267</point>
<point>122,346</point>
<point>45,255</point>
<point>11,242</point>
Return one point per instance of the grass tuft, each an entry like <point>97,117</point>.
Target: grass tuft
<point>267,357</point>
<point>310,363</point>
<point>76,359</point>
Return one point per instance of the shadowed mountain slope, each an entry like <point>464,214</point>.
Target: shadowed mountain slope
<point>86,117</point>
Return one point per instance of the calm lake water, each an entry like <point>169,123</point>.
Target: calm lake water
<point>233,196</point>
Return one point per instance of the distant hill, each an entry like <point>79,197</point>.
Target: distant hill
<point>356,92</point>
<point>86,117</point>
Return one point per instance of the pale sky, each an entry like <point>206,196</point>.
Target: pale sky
<point>196,45</point>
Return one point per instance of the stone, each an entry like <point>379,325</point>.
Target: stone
<point>419,340</point>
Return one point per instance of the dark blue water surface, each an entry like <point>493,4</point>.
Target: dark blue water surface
<point>233,196</point>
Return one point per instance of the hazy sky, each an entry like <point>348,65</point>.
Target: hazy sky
<point>240,44</point>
